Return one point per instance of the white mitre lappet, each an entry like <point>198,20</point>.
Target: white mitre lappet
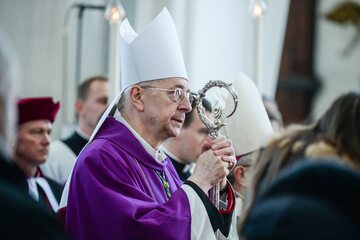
<point>249,127</point>
<point>153,54</point>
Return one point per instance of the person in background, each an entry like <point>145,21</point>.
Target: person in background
<point>239,176</point>
<point>92,97</point>
<point>31,149</point>
<point>335,136</point>
<point>21,217</point>
<point>239,179</point>
<point>315,198</point>
<point>185,149</point>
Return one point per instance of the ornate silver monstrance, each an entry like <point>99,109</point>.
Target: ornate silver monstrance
<point>214,127</point>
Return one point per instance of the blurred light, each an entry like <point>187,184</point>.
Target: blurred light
<point>114,12</point>
<point>257,11</point>
<point>257,8</point>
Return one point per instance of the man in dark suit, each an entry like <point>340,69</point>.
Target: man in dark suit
<point>21,217</point>
<point>33,138</point>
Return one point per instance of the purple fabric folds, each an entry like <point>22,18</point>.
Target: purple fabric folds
<point>115,192</point>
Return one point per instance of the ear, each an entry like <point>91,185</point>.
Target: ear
<point>239,173</point>
<point>137,97</point>
<point>78,105</point>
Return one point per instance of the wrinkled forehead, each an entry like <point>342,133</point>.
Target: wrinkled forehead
<point>175,82</point>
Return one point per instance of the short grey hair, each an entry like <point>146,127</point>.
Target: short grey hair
<point>125,94</point>
<point>122,100</point>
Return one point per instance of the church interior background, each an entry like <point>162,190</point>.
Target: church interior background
<point>305,53</point>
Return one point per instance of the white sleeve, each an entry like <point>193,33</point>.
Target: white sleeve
<point>200,223</point>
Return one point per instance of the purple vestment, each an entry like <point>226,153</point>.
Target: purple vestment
<point>115,192</point>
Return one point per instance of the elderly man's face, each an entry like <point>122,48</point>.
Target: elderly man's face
<point>164,116</point>
<point>32,143</point>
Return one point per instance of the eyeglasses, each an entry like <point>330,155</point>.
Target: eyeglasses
<point>176,95</point>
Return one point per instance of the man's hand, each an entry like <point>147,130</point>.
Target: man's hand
<point>223,147</point>
<point>214,163</point>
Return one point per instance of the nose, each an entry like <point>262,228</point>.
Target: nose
<point>46,139</point>
<point>185,105</point>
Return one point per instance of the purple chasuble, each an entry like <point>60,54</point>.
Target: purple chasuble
<point>115,192</point>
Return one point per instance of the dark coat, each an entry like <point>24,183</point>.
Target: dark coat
<point>309,200</point>
<point>21,217</point>
<point>55,187</point>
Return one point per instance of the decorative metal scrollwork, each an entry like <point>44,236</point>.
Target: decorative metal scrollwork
<point>214,126</point>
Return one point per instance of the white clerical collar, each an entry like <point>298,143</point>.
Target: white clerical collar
<point>82,134</point>
<point>38,180</point>
<point>187,166</point>
<point>157,154</point>
<point>167,152</point>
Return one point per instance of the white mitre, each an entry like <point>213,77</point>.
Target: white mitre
<point>249,127</point>
<point>153,54</point>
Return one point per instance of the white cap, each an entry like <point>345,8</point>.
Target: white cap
<point>153,54</point>
<point>249,127</point>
